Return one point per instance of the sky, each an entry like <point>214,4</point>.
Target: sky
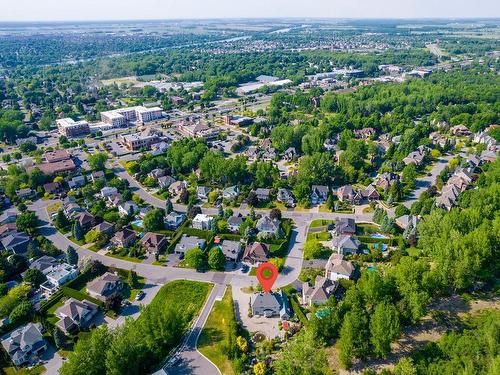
<point>69,10</point>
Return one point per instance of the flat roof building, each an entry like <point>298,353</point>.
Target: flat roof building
<point>71,128</point>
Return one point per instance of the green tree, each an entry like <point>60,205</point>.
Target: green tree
<point>22,313</point>
<point>61,221</point>
<point>384,328</point>
<point>132,279</point>
<point>153,220</point>
<point>168,206</point>
<point>98,161</point>
<point>59,338</point>
<point>77,231</point>
<point>34,276</point>
<point>196,258</point>
<point>89,354</point>
<point>353,341</point>
<point>27,222</point>
<point>71,256</point>
<point>216,258</point>
<point>303,355</point>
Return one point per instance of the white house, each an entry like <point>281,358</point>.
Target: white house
<point>202,221</point>
<point>108,191</point>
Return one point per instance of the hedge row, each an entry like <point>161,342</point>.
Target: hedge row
<point>76,294</point>
<point>54,299</point>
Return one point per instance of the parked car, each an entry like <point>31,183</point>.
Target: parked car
<point>140,295</point>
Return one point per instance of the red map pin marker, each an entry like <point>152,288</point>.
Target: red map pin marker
<point>267,274</point>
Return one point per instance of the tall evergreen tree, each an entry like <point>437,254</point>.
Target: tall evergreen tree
<point>71,256</point>
<point>77,231</point>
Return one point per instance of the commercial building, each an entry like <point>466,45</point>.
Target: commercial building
<point>71,128</point>
<point>120,117</point>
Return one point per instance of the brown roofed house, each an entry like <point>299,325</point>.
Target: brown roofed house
<point>85,219</point>
<point>104,286</point>
<point>256,253</point>
<point>124,238</point>
<point>154,242</point>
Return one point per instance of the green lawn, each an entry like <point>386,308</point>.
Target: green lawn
<point>78,242</point>
<point>24,371</point>
<point>213,339</point>
<point>320,236</point>
<point>320,223</point>
<point>130,259</point>
<point>54,207</point>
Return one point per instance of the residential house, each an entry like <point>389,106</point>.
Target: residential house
<point>7,229</point>
<point>156,173</point>
<point>164,182</point>
<point>438,139</point>
<point>53,188</point>
<point>108,191</point>
<point>448,197</point>
<point>58,275</point>
<point>318,294</point>
<point>128,208</point>
<point>319,194</point>
<point>231,250</point>
<point>76,182</point>
<point>202,221</point>
<point>114,200</point>
<point>25,344</point>
<point>25,193</point>
<point>345,226</point>
<point>154,243</point>
<point>105,286</point>
<point>262,194</point>
<point>9,216</point>
<point>285,196</point>
<point>486,139</point>
<point>345,244</point>
<point>256,253</point>
<point>104,228</point>
<point>71,209</point>
<point>488,156</point>
<point>365,133</point>
<point>386,180</point>
<point>337,268</point>
<point>187,243</point>
<point>97,175</point>
<point>174,220</point>
<point>460,131</point>
<point>124,238</point>
<point>416,157</point>
<point>44,264</point>
<point>290,154</point>
<point>159,148</point>
<point>234,223</point>
<point>231,192</point>
<point>202,192</point>
<point>405,220</point>
<point>330,144</point>
<point>266,225</point>
<point>75,315</point>
<point>85,219</point>
<point>370,194</point>
<point>347,193</point>
<point>16,242</point>
<point>177,187</point>
<point>271,304</point>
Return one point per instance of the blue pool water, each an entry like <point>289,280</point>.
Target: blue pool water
<point>377,235</point>
<point>380,246</point>
<point>371,268</point>
<point>137,223</point>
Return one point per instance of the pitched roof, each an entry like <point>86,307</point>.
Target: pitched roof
<point>256,252</point>
<point>337,264</point>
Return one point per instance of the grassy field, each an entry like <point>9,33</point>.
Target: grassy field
<point>213,338</point>
<point>54,207</point>
<point>320,223</point>
<point>24,371</point>
<point>320,236</point>
<point>130,259</point>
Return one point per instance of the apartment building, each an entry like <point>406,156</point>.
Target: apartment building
<point>71,128</point>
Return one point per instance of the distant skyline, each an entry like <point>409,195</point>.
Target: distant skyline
<point>102,10</point>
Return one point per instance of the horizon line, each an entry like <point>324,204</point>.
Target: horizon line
<point>317,18</point>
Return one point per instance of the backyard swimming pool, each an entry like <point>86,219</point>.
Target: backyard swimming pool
<point>137,223</point>
<point>378,235</point>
